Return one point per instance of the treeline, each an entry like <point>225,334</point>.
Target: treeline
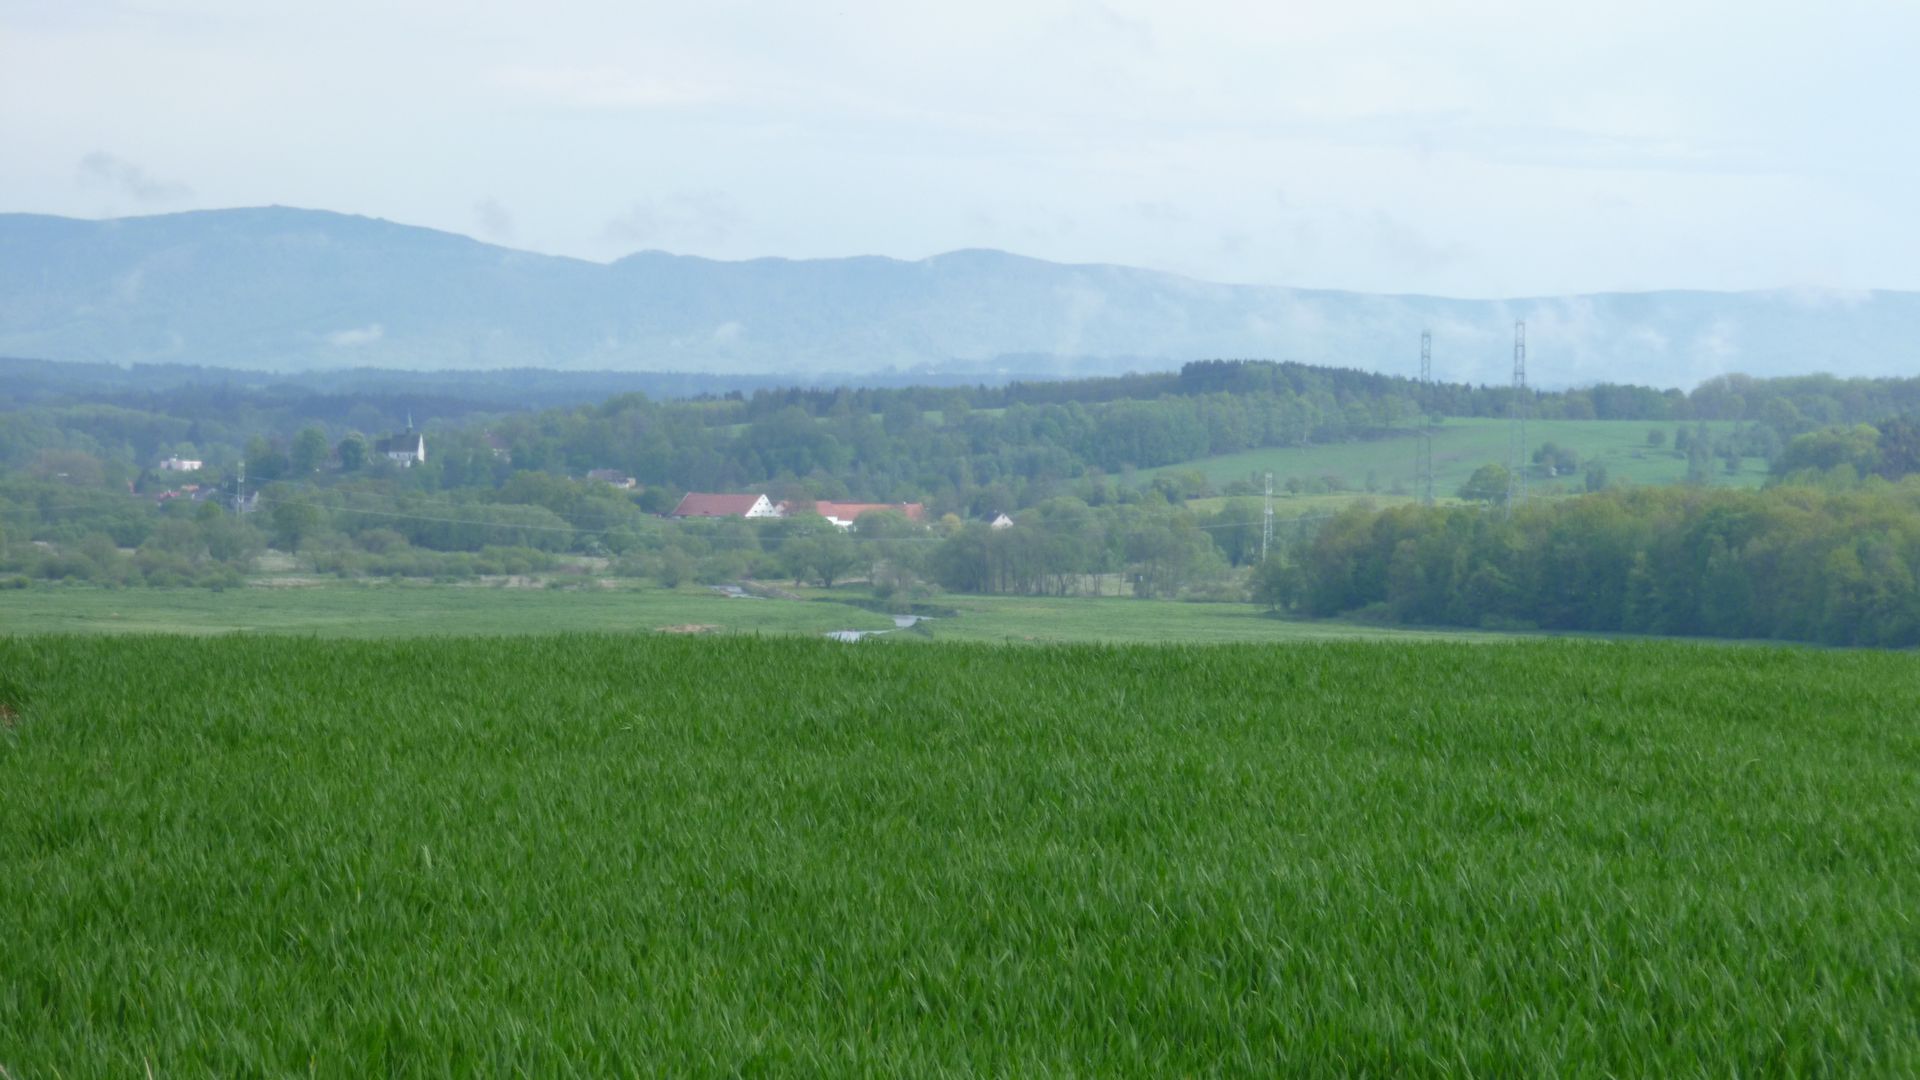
<point>25,382</point>
<point>1840,455</point>
<point>203,547</point>
<point>1789,562</point>
<point>969,450</point>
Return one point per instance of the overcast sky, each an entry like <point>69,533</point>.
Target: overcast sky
<point>1491,149</point>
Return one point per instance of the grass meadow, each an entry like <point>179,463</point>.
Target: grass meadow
<point>601,854</point>
<point>408,610</point>
<point>1463,445</point>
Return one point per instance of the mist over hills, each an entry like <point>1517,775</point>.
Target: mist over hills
<point>287,290</point>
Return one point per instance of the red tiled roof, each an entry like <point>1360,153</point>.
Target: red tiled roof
<point>696,504</point>
<point>849,511</point>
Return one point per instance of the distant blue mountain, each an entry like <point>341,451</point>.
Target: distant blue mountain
<point>296,290</point>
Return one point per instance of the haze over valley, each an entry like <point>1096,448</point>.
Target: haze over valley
<point>278,289</point>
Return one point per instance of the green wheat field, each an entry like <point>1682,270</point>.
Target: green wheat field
<point>605,854</point>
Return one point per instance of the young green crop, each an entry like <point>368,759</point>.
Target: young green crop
<point>599,854</point>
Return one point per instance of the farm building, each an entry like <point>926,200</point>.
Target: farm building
<point>180,464</point>
<point>696,504</point>
<point>844,514</point>
<point>409,449</point>
<point>615,477</point>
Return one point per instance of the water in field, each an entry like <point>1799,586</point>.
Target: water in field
<point>900,622</point>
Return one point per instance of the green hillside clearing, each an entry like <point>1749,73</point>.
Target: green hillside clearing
<point>1461,446</point>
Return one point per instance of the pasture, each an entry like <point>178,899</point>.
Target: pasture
<point>1463,445</point>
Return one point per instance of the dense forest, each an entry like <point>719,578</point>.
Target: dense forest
<point>504,491</point>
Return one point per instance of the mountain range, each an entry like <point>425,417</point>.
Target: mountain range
<point>281,289</point>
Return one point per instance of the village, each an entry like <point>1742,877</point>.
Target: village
<point>409,448</point>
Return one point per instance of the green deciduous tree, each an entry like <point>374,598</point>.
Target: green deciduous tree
<point>1487,484</point>
<point>353,453</point>
<point>309,451</point>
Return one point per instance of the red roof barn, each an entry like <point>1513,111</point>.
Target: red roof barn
<point>699,504</point>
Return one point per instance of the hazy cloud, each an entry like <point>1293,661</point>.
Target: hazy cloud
<point>100,169</point>
<point>603,87</point>
<point>1388,145</point>
<point>1398,240</point>
<point>686,217</point>
<point>1816,298</point>
<point>493,220</point>
<point>1102,22</point>
<point>1159,210</point>
<point>365,335</point>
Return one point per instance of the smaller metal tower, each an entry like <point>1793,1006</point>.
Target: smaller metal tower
<point>1517,426</point>
<point>1425,462</point>
<point>1266,523</point>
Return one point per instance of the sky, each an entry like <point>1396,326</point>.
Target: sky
<point>1499,149</point>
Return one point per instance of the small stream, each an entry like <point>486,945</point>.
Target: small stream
<point>900,622</point>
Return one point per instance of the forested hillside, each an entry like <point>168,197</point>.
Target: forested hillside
<point>301,290</point>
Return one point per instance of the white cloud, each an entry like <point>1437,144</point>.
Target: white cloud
<point>1716,348</point>
<point>365,335</point>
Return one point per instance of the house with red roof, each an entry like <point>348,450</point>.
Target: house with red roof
<point>695,504</point>
<point>844,514</point>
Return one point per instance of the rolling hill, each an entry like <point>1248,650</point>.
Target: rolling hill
<point>288,290</point>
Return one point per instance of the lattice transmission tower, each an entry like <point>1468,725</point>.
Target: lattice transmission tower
<point>1266,523</point>
<point>1517,425</point>
<point>1424,466</point>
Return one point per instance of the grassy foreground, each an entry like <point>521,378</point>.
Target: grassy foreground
<point>601,854</point>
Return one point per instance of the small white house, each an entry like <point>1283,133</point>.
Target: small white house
<point>1000,521</point>
<point>180,464</point>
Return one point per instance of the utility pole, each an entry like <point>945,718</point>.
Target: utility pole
<point>1266,524</point>
<point>1425,464</point>
<point>1517,425</point>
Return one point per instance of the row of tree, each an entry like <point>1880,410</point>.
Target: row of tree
<point>1788,562</point>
